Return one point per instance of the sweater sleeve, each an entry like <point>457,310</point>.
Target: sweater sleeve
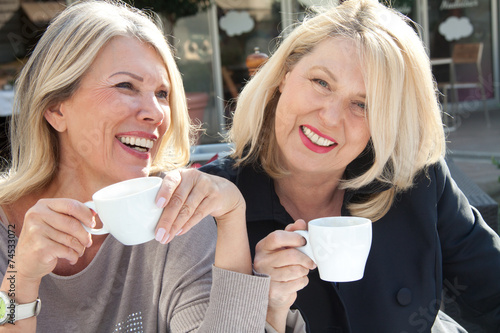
<point>239,297</point>
<point>294,323</point>
<point>199,297</point>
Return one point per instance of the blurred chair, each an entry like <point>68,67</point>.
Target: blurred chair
<point>463,56</point>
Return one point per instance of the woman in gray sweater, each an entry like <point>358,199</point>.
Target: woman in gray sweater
<point>101,76</point>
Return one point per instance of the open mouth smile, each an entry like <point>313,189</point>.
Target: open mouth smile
<point>139,144</point>
<point>315,138</point>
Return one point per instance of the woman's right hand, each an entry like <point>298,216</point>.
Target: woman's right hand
<point>51,231</point>
<point>276,256</point>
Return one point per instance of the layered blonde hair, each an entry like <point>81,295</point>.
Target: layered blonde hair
<point>53,74</point>
<point>403,110</point>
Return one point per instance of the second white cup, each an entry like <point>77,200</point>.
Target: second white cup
<point>339,246</point>
<point>128,210</point>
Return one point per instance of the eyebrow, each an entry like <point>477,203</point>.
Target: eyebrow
<point>332,76</point>
<point>326,70</point>
<point>136,77</point>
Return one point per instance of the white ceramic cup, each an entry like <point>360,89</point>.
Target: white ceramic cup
<point>128,210</point>
<point>339,246</point>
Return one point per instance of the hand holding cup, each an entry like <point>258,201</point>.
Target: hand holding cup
<point>339,246</point>
<point>127,210</point>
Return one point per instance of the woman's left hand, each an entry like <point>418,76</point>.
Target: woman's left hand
<point>189,195</point>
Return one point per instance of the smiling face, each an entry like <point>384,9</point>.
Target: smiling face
<point>111,128</point>
<point>321,124</point>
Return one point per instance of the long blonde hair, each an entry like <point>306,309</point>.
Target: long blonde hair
<point>53,73</point>
<point>403,112</point>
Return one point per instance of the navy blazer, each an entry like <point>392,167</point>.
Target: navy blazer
<point>430,240</point>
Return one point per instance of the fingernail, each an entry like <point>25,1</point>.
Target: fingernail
<point>166,239</point>
<point>93,222</point>
<point>161,202</point>
<point>159,234</point>
<point>178,232</point>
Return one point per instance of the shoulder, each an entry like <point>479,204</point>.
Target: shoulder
<point>436,175</point>
<point>224,167</point>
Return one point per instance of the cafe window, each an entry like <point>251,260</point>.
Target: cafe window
<point>453,22</point>
<point>213,45</point>
<point>212,48</point>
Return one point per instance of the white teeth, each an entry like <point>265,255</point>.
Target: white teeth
<point>141,144</point>
<point>315,138</point>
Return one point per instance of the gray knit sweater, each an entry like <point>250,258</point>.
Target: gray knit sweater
<point>151,288</point>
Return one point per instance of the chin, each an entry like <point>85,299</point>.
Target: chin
<point>126,173</point>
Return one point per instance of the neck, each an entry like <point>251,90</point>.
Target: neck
<point>308,198</point>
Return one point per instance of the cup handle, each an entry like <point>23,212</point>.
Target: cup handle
<point>101,231</point>
<point>306,249</point>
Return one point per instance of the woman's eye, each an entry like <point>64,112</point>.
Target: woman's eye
<point>162,94</point>
<point>125,85</point>
<point>361,105</point>
<point>359,108</point>
<point>322,83</point>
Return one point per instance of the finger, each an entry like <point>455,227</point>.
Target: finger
<point>40,228</point>
<point>288,287</point>
<point>72,208</point>
<point>298,225</point>
<point>176,202</point>
<point>63,215</point>
<point>185,221</point>
<point>67,240</point>
<point>170,182</point>
<point>285,293</point>
<point>38,254</point>
<point>289,273</point>
<point>185,207</point>
<point>195,207</point>
<point>196,196</point>
<point>280,239</point>
<point>266,263</point>
<point>55,250</point>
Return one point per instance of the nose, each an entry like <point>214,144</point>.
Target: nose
<point>332,112</point>
<point>151,110</point>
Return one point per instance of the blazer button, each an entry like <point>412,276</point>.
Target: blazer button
<point>404,296</point>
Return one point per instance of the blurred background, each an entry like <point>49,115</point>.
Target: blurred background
<point>217,40</point>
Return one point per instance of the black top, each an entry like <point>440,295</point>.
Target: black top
<point>431,236</point>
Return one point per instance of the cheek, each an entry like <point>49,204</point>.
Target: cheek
<point>281,128</point>
<point>284,119</point>
<point>361,135</point>
<point>167,120</point>
<point>91,138</point>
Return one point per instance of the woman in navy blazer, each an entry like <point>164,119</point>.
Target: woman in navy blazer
<point>343,119</point>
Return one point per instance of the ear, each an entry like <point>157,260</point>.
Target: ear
<point>283,81</point>
<point>55,117</point>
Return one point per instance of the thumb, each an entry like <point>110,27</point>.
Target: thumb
<point>298,225</point>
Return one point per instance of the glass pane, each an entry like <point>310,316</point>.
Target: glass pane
<point>406,7</point>
<point>456,22</point>
<point>195,61</point>
<point>243,26</point>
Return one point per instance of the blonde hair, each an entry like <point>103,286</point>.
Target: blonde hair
<point>403,111</point>
<point>53,73</point>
